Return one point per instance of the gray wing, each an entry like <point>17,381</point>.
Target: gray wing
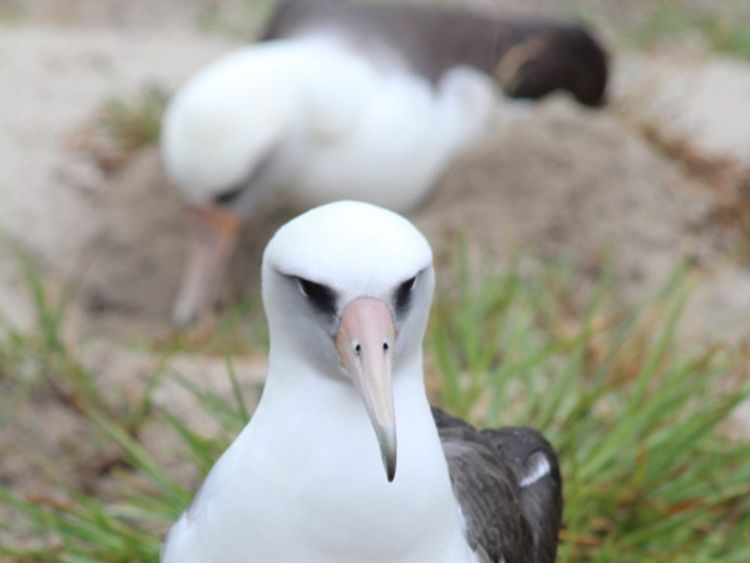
<point>508,485</point>
<point>536,470</point>
<point>530,57</point>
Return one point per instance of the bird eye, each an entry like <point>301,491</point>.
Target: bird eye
<point>403,293</point>
<point>322,297</point>
<point>229,196</point>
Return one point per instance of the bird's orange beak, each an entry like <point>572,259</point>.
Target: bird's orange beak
<point>365,345</point>
<point>213,236</point>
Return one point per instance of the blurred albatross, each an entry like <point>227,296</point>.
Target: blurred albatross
<point>350,100</point>
<point>347,290</point>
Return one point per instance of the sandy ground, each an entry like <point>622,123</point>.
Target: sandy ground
<point>559,182</point>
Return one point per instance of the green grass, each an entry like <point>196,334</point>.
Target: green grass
<point>724,29</point>
<point>728,36</point>
<point>227,334</point>
<point>634,415</point>
<point>242,21</point>
<point>134,122</point>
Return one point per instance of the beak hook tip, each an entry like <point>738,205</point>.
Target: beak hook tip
<point>391,472</point>
<point>389,461</point>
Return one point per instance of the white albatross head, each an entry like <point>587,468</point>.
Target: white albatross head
<point>219,134</point>
<point>347,289</point>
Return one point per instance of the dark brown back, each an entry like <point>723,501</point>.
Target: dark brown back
<point>530,57</point>
<point>507,518</point>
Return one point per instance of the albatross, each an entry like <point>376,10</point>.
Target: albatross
<point>346,100</point>
<point>344,460</point>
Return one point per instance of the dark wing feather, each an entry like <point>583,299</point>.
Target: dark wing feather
<point>530,57</point>
<point>526,452</point>
<point>512,508</point>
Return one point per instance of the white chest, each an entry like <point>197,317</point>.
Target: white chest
<point>303,493</point>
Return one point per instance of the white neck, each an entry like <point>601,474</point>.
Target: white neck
<point>312,486</point>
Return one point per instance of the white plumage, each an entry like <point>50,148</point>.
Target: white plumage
<point>347,290</point>
<point>333,123</point>
<point>303,481</point>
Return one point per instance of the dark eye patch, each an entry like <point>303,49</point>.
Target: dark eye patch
<point>253,180</point>
<point>229,196</point>
<point>322,297</point>
<point>403,294</point>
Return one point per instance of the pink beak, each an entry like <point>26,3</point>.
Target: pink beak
<point>213,235</point>
<point>365,345</point>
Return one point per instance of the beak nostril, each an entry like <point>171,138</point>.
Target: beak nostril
<point>364,342</point>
